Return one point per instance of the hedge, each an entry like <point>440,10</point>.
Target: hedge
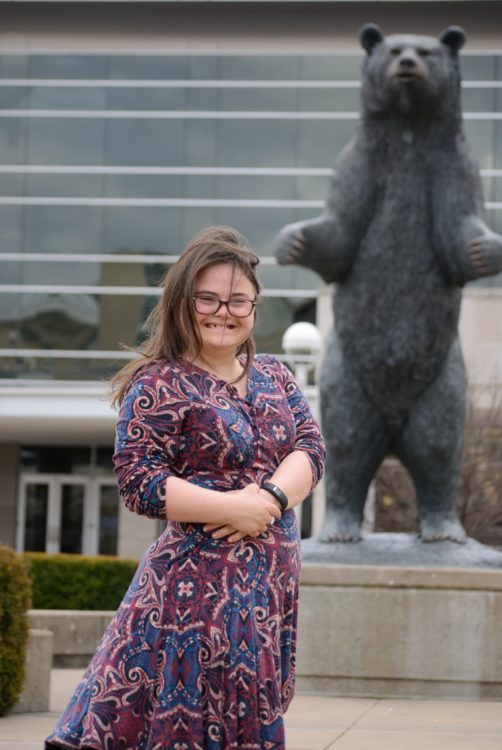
<point>15,600</point>
<point>78,581</point>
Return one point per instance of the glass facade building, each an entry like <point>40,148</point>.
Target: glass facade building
<point>109,164</point>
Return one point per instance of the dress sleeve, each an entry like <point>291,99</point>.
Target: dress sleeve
<point>308,434</point>
<point>146,442</point>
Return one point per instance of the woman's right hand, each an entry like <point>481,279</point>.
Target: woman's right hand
<point>249,514</point>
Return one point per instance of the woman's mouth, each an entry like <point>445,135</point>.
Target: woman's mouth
<point>219,326</point>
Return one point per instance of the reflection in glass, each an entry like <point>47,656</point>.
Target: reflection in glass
<point>72,517</point>
<point>36,517</point>
<point>58,321</point>
<point>275,315</point>
<point>108,520</point>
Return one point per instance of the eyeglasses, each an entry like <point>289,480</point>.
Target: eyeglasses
<point>209,304</point>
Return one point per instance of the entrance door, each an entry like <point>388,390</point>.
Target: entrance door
<point>67,513</point>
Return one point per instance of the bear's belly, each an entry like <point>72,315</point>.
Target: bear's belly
<point>396,324</point>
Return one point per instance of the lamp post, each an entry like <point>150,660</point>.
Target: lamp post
<point>302,343</point>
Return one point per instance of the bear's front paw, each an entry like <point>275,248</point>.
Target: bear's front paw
<point>289,245</point>
<point>485,253</point>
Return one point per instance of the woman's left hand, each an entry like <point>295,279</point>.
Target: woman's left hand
<point>225,531</point>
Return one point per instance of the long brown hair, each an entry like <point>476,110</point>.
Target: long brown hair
<point>172,332</point>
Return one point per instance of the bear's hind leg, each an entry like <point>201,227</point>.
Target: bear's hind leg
<point>357,441</point>
<point>430,447</point>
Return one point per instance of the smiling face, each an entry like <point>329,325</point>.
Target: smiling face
<point>221,332</point>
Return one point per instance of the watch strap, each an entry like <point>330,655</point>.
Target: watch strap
<point>277,493</point>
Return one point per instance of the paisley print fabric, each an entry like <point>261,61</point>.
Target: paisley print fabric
<point>201,653</point>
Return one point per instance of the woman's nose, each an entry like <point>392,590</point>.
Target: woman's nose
<point>223,311</point>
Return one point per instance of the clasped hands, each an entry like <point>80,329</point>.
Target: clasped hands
<point>250,511</point>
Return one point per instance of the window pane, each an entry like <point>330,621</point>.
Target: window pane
<point>149,99</point>
<point>72,517</point>
<point>65,141</point>
<point>249,67</point>
<point>81,97</point>
<point>477,67</point>
<point>62,229</point>
<point>13,97</point>
<point>68,66</point>
<point>12,140</point>
<point>10,229</point>
<point>41,368</point>
<point>57,321</point>
<point>14,66</point>
<point>320,142</point>
<point>63,185</point>
<point>260,143</point>
<point>480,135</point>
<point>108,520</point>
<point>144,142</point>
<point>142,229</point>
<point>36,517</point>
<point>274,316</point>
<point>147,66</point>
<point>11,184</point>
<point>331,67</point>
<point>61,459</point>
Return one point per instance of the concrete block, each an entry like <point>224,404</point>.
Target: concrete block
<point>76,633</point>
<point>400,633</point>
<point>38,665</point>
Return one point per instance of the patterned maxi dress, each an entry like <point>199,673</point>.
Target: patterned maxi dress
<point>201,653</point>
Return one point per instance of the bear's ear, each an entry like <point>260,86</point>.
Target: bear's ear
<point>369,35</point>
<point>453,37</point>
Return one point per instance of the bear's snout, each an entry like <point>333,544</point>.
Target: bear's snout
<point>407,65</point>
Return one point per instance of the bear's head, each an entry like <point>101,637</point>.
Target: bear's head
<point>411,75</point>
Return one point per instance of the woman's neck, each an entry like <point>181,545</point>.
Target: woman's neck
<point>227,366</point>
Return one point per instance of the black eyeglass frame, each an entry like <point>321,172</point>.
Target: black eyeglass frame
<point>225,302</point>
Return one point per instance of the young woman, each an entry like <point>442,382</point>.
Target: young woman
<point>200,654</point>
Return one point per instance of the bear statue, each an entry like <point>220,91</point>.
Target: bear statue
<point>401,233</point>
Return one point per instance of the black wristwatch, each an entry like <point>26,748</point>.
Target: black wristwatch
<point>277,493</point>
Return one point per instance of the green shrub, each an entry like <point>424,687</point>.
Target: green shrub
<point>78,581</point>
<point>15,600</point>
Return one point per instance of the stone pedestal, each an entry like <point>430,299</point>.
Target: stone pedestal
<point>37,680</point>
<point>394,631</point>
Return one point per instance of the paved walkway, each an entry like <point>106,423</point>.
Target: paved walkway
<point>315,723</point>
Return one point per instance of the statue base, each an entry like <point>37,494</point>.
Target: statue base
<point>393,617</point>
<point>402,549</point>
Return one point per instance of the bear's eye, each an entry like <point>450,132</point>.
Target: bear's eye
<point>395,51</point>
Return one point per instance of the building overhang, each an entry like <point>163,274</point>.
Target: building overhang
<point>55,413</point>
